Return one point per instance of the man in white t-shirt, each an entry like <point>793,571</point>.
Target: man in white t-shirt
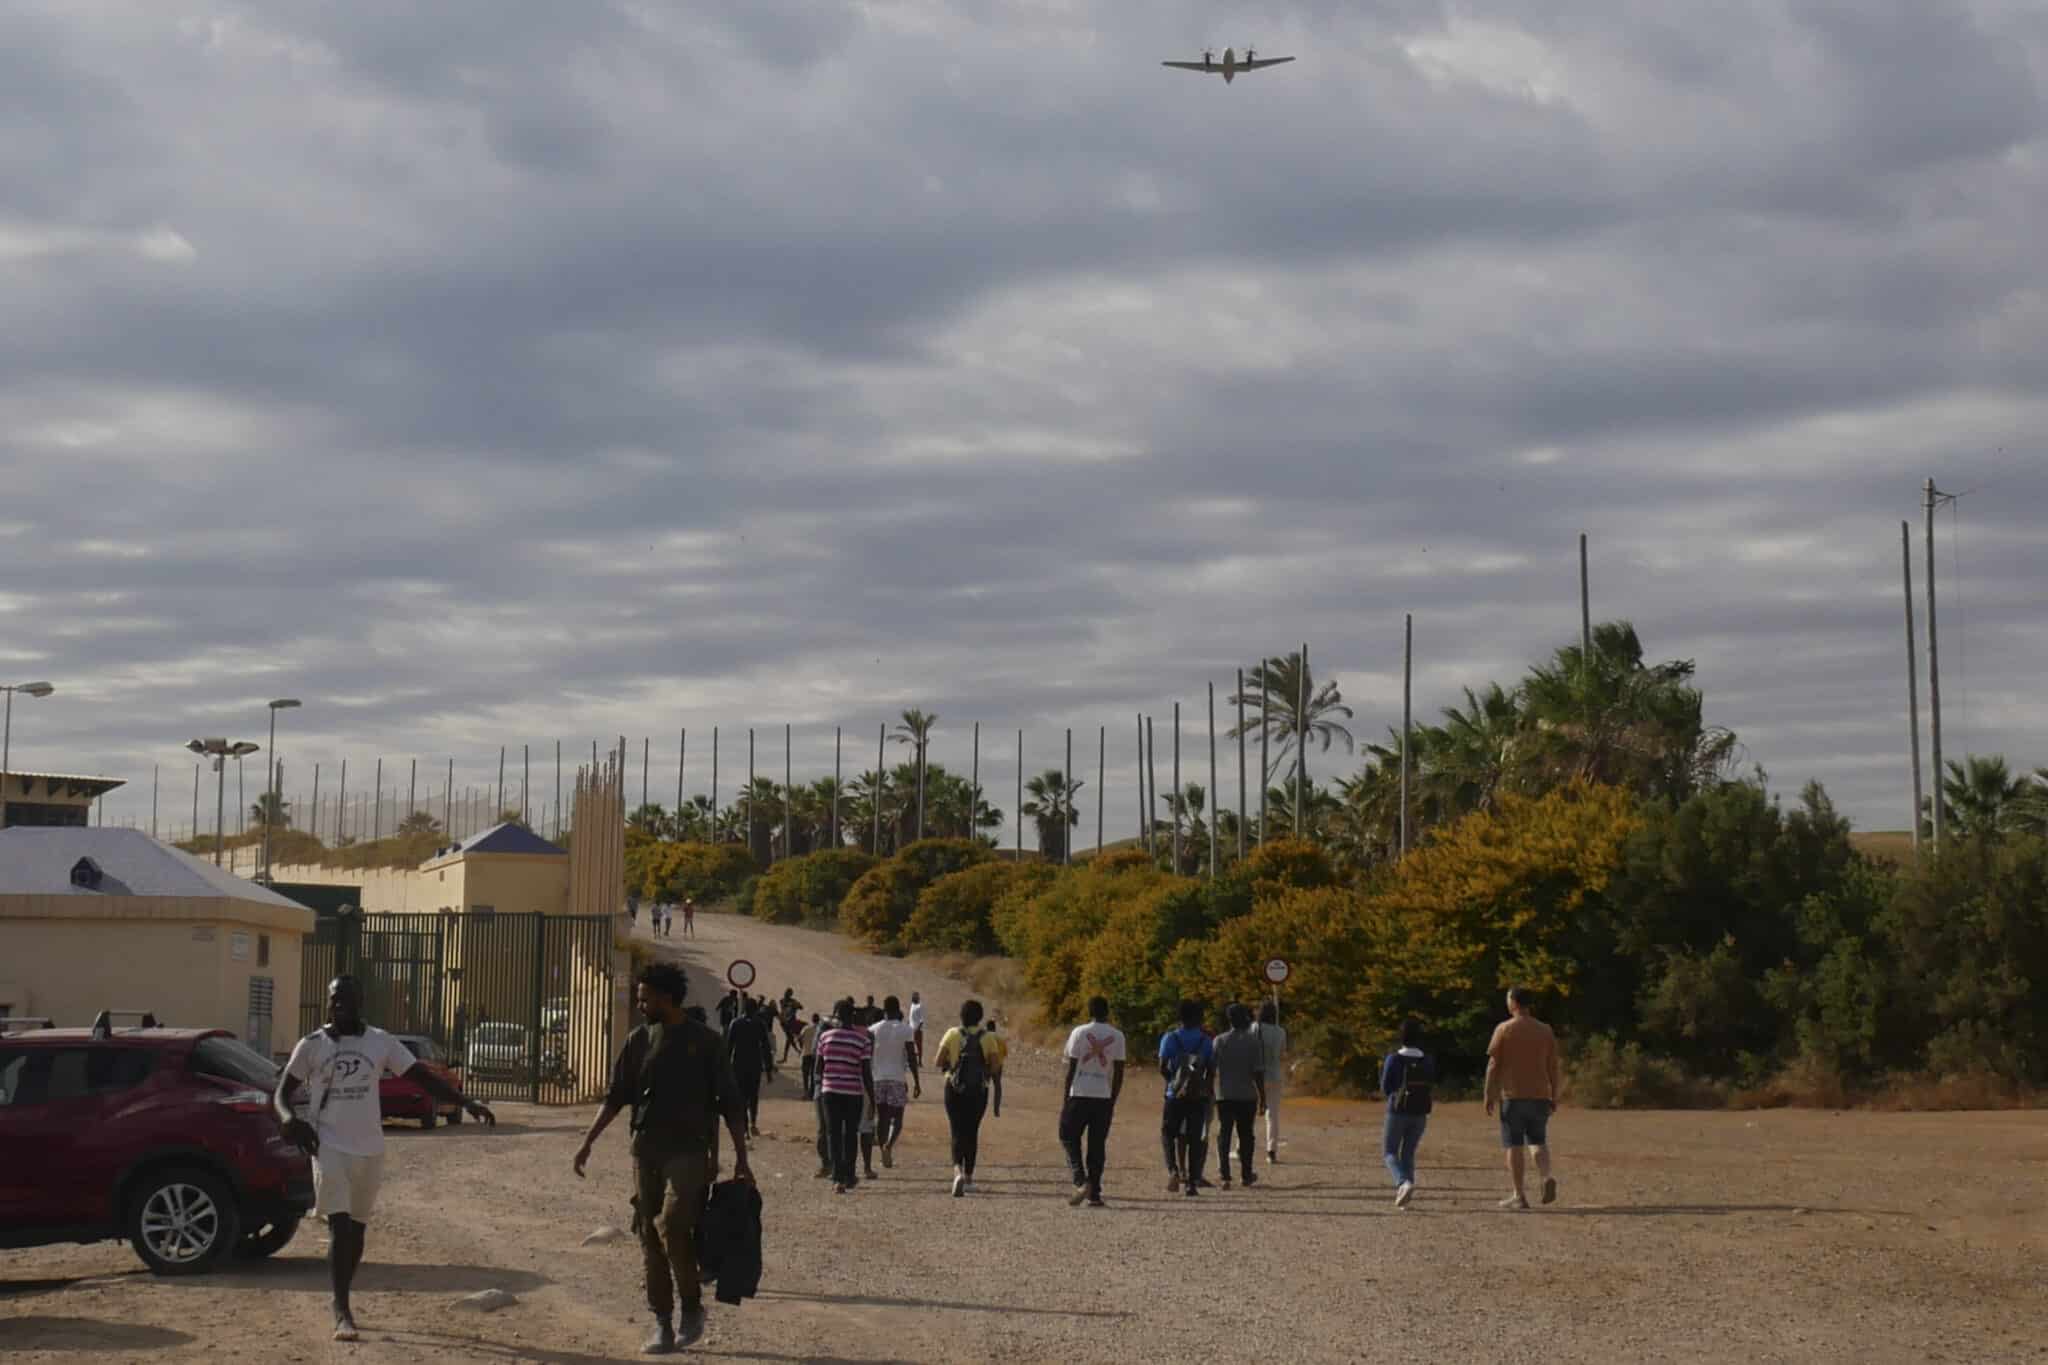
<point>339,1067</point>
<point>1095,1078</point>
<point>895,1067</point>
<point>1273,1049</point>
<point>917,1025</point>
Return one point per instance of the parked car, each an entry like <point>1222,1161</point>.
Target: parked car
<point>497,1052</point>
<point>402,1099</point>
<point>163,1136</point>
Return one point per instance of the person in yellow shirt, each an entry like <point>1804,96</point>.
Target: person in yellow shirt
<point>971,1057</point>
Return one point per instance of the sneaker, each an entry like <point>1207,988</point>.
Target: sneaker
<point>1095,1202</point>
<point>1515,1202</point>
<point>1189,1192</point>
<point>1550,1190</point>
<point>1173,1182</point>
<point>870,1174</point>
<point>1272,1156</point>
<point>1202,1183</point>
<point>1250,1179</point>
<point>889,1158</point>
<point>689,1328</point>
<point>1405,1193</point>
<point>821,1173</point>
<point>970,1184</point>
<point>838,1189</point>
<point>959,1185</point>
<point>345,1328</point>
<point>1078,1197</point>
<point>1226,1182</point>
<point>662,1343</point>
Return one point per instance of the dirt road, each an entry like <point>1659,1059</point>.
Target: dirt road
<point>1697,1237</point>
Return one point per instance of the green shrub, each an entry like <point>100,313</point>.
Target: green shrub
<point>956,912</point>
<point>881,902</point>
<point>1606,1074</point>
<point>808,889</point>
<point>700,872</point>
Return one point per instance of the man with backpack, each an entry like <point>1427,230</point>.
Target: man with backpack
<point>1240,1091</point>
<point>1406,1080</point>
<point>972,1059</point>
<point>1187,1059</point>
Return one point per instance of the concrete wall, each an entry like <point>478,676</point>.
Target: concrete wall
<point>175,958</point>
<point>511,883</point>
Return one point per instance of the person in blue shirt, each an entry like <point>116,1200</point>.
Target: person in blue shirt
<point>1187,1059</point>
<point>1406,1080</point>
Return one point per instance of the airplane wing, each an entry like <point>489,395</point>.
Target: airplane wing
<point>1263,61</point>
<point>1215,68</point>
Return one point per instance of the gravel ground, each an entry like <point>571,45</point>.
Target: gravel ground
<point>1790,1235</point>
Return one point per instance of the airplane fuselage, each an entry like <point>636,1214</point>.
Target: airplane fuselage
<point>1229,65</point>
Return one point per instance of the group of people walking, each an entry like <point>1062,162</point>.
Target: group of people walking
<point>661,917</point>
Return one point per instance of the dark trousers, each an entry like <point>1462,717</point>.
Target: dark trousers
<point>963,1113</point>
<point>810,1076</point>
<point>1180,1133</point>
<point>750,1095</point>
<point>1234,1119</point>
<point>842,1136</point>
<point>1087,1117</point>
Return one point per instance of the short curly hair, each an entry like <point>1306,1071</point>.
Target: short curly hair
<point>667,978</point>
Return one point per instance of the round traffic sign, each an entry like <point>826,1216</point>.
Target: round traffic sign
<point>740,974</point>
<point>1276,970</point>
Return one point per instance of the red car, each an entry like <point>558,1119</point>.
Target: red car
<point>401,1099</point>
<point>163,1136</point>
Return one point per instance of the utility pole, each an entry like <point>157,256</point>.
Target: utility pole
<point>1407,712</point>
<point>152,800</point>
<point>1912,673</point>
<point>499,809</point>
<point>1178,794</point>
<point>1585,613</point>
<point>1101,781</point>
<point>1301,744</point>
<point>646,755</point>
<point>1212,782</point>
<point>412,791</point>
<point>788,794</point>
<point>714,784</point>
<point>837,781</point>
<point>974,787</point>
<point>881,781</point>
<point>1242,789</point>
<point>1144,835</point>
<point>448,797</point>
<point>1935,497</point>
<point>1067,820</point>
<point>1020,795</point>
<point>682,753</point>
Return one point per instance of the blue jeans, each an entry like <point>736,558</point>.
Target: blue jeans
<point>1403,1135</point>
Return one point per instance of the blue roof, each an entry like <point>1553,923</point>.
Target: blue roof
<point>507,838</point>
<point>37,861</point>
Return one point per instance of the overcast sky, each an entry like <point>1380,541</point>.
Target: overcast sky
<point>486,372</point>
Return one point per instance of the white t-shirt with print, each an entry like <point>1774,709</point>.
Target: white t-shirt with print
<point>1094,1048</point>
<point>891,1037</point>
<point>341,1075</point>
<point>917,1014</point>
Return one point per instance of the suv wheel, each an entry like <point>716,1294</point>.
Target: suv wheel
<point>182,1220</point>
<point>268,1240</point>
<point>429,1119</point>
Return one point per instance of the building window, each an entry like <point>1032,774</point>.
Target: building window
<point>262,991</point>
<point>263,950</point>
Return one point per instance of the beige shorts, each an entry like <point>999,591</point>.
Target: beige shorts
<point>344,1183</point>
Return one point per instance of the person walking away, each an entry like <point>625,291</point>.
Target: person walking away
<point>1406,1079</point>
<point>1523,1081</point>
<point>633,913</point>
<point>689,917</point>
<point>917,1025</point>
<point>1240,1092</point>
<point>846,1063</point>
<point>789,1012</point>
<point>1095,1079</point>
<point>895,1074</point>
<point>1187,1060</point>
<point>340,1065</point>
<point>1273,1040</point>
<point>728,1009</point>
<point>748,1051</point>
<point>972,1060</point>
<point>673,1075</point>
<point>807,1049</point>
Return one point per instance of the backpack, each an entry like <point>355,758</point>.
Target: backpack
<point>1192,1076</point>
<point>1412,1097</point>
<point>970,1068</point>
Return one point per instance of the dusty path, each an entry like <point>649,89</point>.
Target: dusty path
<point>1685,1237</point>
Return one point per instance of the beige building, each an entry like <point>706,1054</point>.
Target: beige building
<point>32,799</point>
<point>506,869</point>
<point>94,919</point>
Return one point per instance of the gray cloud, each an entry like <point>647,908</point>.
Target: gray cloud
<point>514,371</point>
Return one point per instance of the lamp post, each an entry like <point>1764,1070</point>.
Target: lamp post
<point>34,689</point>
<point>270,804</point>
<point>221,751</point>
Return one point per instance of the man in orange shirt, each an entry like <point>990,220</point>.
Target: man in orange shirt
<point>1523,1080</point>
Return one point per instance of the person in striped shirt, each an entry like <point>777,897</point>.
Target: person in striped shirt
<point>846,1078</point>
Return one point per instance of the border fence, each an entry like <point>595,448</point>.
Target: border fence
<point>521,1004</point>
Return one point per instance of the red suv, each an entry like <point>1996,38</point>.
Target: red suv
<point>160,1135</point>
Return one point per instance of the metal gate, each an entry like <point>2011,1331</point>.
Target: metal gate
<point>521,1004</point>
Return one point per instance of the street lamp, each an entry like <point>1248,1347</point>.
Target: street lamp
<point>270,806</point>
<point>222,750</point>
<point>34,689</point>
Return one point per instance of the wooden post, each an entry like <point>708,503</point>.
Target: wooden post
<point>714,784</point>
<point>377,809</point>
<point>1407,714</point>
<point>1151,788</point>
<point>341,806</point>
<point>1020,795</point>
<point>974,787</point>
<point>837,780</point>
<point>881,781</point>
<point>747,802</point>
<point>1265,744</point>
<point>495,810</point>
<point>1144,835</point>
<point>1101,781</point>
<point>448,803</point>
<point>1067,805</point>
<point>1243,789</point>
<point>316,803</point>
<point>1934,676</point>
<point>1179,796</point>
<point>412,790</point>
<point>646,757</point>
<point>788,797</point>
<point>1912,674</point>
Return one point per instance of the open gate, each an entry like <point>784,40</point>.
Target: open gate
<point>522,1005</point>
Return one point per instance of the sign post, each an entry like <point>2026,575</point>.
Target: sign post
<point>1277,972</point>
<point>740,974</point>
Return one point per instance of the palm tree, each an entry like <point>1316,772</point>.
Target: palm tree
<point>652,819</point>
<point>1051,808</point>
<point>866,794</point>
<point>916,731</point>
<point>419,822</point>
<point>1189,804</point>
<point>1273,689</point>
<point>271,808</point>
<point>1982,798</point>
